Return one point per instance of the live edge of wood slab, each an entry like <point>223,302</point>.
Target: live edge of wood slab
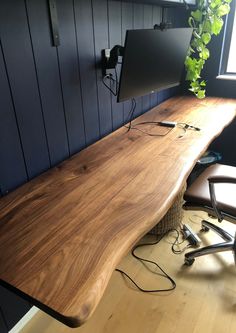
<point>63,233</point>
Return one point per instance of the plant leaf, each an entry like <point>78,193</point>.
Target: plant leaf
<point>201,94</point>
<point>206,37</point>
<point>205,54</point>
<point>197,15</point>
<point>215,3</point>
<point>206,21</point>
<point>217,24</point>
<point>207,26</point>
<point>223,10</point>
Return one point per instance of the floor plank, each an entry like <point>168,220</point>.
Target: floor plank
<point>204,300</point>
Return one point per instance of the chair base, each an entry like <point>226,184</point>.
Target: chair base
<point>229,244</point>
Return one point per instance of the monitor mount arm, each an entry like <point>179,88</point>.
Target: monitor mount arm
<point>110,58</point>
<point>163,26</point>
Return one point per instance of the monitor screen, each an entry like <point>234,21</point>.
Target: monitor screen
<point>153,60</point>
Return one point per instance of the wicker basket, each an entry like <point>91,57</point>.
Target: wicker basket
<point>173,217</point>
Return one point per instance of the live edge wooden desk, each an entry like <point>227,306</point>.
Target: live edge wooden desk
<point>63,233</point>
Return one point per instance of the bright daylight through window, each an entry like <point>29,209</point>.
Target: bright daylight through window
<point>231,65</point>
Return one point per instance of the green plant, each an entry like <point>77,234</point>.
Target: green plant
<point>206,20</point>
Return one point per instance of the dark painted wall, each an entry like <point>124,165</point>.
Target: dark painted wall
<point>12,308</point>
<point>3,324</point>
<point>52,100</point>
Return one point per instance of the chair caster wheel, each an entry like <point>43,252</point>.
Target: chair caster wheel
<point>189,262</point>
<point>205,229</point>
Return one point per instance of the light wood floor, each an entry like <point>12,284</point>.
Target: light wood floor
<point>204,300</point>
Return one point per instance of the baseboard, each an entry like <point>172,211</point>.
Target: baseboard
<point>24,320</point>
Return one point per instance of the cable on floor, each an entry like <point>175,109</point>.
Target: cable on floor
<point>164,274</point>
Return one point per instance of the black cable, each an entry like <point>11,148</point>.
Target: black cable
<point>165,275</point>
<point>106,85</point>
<point>184,126</point>
<point>187,126</point>
<point>148,122</point>
<point>176,243</point>
<point>131,113</point>
<point>115,93</point>
<point>110,77</point>
<point>116,81</point>
<point>147,133</point>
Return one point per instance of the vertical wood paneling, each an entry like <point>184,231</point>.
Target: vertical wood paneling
<point>126,24</point>
<point>13,307</point>
<point>138,24</point>
<point>70,76</point>
<point>156,15</point>
<point>156,19</point>
<point>114,13</point>
<point>85,37</point>
<point>48,78</point>
<point>21,70</point>
<point>100,20</point>
<point>12,166</point>
<point>148,24</point>
<point>3,327</point>
<point>163,95</point>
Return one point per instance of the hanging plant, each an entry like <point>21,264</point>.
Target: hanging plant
<point>206,21</point>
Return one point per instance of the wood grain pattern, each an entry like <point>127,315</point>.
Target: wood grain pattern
<point>204,300</point>
<point>63,233</point>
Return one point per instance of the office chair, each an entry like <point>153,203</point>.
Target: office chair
<point>214,191</point>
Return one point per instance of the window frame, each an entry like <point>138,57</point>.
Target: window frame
<point>223,73</point>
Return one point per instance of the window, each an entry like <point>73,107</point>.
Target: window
<point>231,64</point>
<point>228,58</point>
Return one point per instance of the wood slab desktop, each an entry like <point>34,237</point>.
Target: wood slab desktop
<point>63,233</point>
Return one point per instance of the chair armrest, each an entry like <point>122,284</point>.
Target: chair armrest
<point>222,179</point>
<point>212,180</point>
<point>216,180</point>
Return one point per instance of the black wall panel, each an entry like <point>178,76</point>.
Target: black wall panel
<point>101,41</point>
<point>138,24</point>
<point>48,74</point>
<point>70,76</point>
<point>126,24</point>
<point>3,327</point>
<point>147,24</point>
<point>20,66</point>
<point>52,99</point>
<point>86,52</point>
<point>12,166</point>
<point>156,19</point>
<point>13,307</point>
<point>114,28</point>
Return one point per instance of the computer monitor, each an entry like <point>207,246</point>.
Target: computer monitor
<point>153,60</point>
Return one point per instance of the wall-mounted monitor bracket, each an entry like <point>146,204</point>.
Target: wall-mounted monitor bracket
<point>110,58</point>
<point>163,26</point>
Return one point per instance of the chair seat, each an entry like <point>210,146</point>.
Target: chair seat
<point>198,193</point>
